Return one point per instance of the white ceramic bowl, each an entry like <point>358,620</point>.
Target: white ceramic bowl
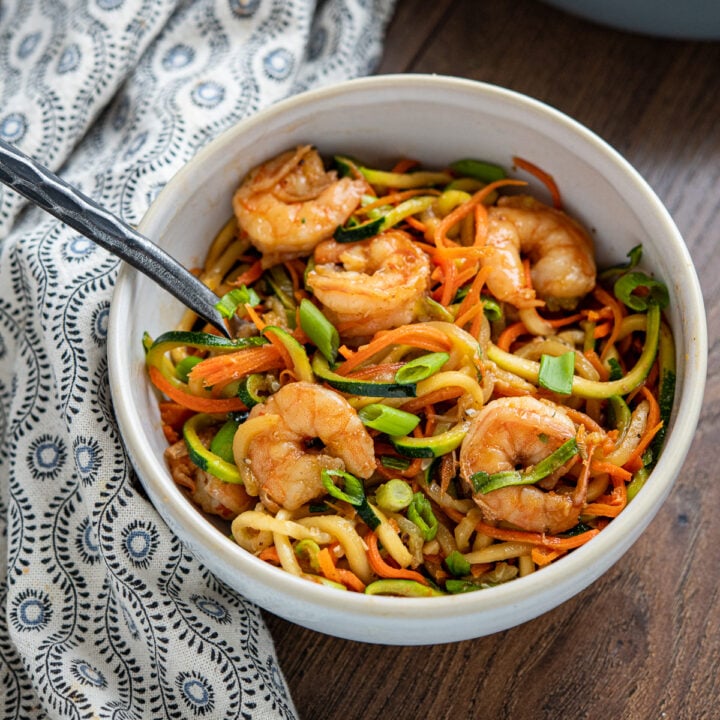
<point>436,119</point>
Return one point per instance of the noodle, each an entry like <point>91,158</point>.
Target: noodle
<point>419,389</point>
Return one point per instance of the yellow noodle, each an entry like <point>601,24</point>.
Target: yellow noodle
<point>279,525</point>
<point>498,552</point>
<point>452,378</point>
<point>344,532</point>
<point>465,528</point>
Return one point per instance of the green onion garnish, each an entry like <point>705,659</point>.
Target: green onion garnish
<point>394,495</point>
<point>656,292</point>
<point>319,329</point>
<point>421,368</point>
<point>420,512</point>
<point>556,372</point>
<point>616,371</point>
<point>308,548</point>
<point>457,564</point>
<point>354,492</point>
<point>491,308</point>
<point>483,483</point>
<point>388,419</point>
<point>222,443</point>
<point>185,366</point>
<point>230,301</point>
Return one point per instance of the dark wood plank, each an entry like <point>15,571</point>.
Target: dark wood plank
<point>642,642</point>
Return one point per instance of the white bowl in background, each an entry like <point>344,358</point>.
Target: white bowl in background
<point>682,20</point>
<point>435,119</point>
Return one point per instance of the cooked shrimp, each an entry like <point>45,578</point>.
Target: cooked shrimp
<point>212,495</point>
<point>562,263</point>
<point>274,447</point>
<point>370,285</point>
<point>290,203</point>
<point>520,431</point>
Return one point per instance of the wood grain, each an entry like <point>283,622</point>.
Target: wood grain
<point>644,641</point>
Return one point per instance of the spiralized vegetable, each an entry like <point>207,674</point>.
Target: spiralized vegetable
<point>446,304</point>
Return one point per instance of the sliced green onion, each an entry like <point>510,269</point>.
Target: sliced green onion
<point>478,480</point>
<point>394,495</point>
<point>657,292</point>
<point>491,308</point>
<point>222,443</point>
<point>616,371</point>
<point>484,483</point>
<point>403,588</point>
<point>478,169</point>
<point>354,492</point>
<point>420,512</point>
<point>230,301</point>
<point>319,329</point>
<point>309,549</point>
<point>185,366</point>
<point>556,372</point>
<point>457,564</point>
<point>388,419</point>
<point>202,457</point>
<point>421,367</point>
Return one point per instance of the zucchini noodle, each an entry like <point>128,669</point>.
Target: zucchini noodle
<point>431,388</point>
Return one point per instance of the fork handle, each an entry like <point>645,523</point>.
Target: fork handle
<point>44,188</point>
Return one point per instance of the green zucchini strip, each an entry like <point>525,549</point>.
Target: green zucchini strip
<point>582,387</point>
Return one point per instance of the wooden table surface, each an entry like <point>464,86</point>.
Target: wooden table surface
<point>644,641</point>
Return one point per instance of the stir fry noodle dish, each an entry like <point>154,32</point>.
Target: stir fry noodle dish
<point>430,389</point>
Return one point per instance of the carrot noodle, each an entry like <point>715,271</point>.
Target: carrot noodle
<point>251,275</point>
<point>472,299</point>
<point>594,359</point>
<point>381,568</point>
<point>232,366</point>
<point>510,334</point>
<point>411,378</point>
<point>394,199</point>
<point>543,176</point>
<point>193,402</point>
<point>270,554</point>
<point>404,164</point>
<point>454,217</point>
<point>425,337</point>
<point>533,538</point>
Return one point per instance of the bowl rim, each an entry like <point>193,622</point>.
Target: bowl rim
<point>559,580</point>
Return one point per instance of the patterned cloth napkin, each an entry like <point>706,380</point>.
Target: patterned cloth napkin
<point>104,613</point>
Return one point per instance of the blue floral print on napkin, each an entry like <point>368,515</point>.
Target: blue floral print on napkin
<point>105,613</point>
